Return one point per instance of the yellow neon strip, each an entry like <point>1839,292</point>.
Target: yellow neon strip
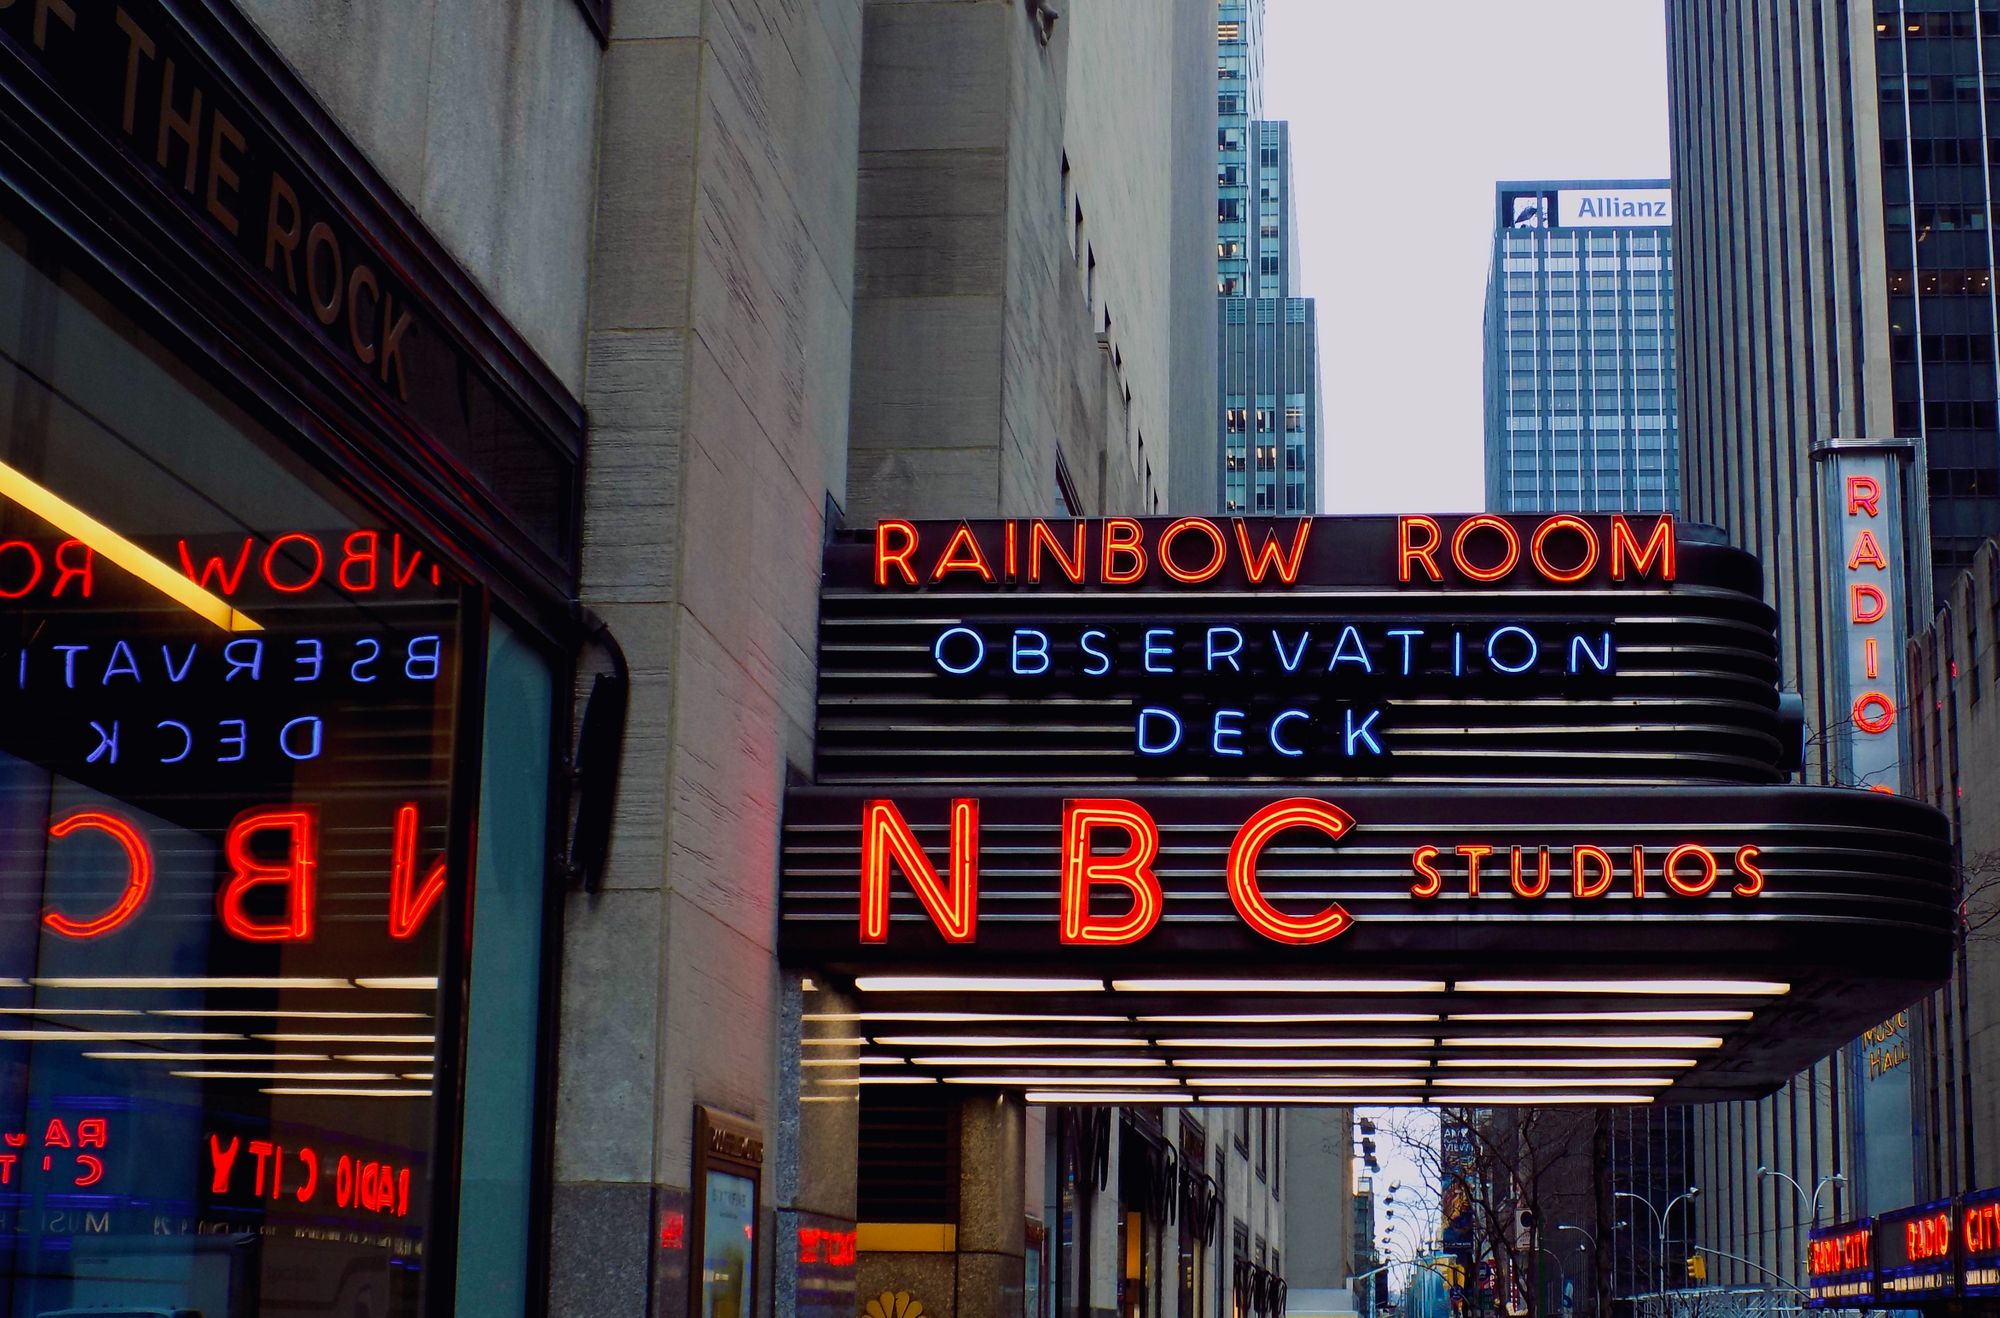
<point>907,1237</point>
<point>73,521</point>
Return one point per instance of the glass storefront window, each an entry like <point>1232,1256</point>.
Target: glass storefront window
<point>229,705</point>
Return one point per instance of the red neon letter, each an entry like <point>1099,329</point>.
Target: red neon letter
<point>1132,870</point>
<point>226,581</point>
<point>1864,494</point>
<point>1121,540</point>
<point>1431,882</point>
<point>311,578</point>
<point>138,874</point>
<point>899,554</point>
<point>295,873</point>
<point>1040,537</point>
<point>1251,904</point>
<point>1218,551</point>
<point>1541,885</point>
<point>1881,719</point>
<point>361,555</point>
<point>1269,556</point>
<point>66,570</point>
<point>1700,886</point>
<point>408,903</point>
<point>1659,548</point>
<point>1473,855</point>
<point>954,909</point>
<point>1485,522</point>
<point>34,568</point>
<point>1408,551</point>
<point>224,1160</point>
<point>973,561</point>
<point>1538,549</point>
<point>1866,603</point>
<point>1866,553</point>
<point>1602,859</point>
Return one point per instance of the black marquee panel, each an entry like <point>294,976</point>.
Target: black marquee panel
<point>1691,695</point>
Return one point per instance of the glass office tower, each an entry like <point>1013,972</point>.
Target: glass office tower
<point>1580,349</point>
<point>1268,395</point>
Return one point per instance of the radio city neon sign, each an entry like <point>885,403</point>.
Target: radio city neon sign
<point>1833,1255</point>
<point>951,898</point>
<point>1928,1237</point>
<point>267,849</point>
<point>1193,551</point>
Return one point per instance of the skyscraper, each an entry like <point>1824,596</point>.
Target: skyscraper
<point>1833,179</point>
<point>1579,349</point>
<point>1269,422</point>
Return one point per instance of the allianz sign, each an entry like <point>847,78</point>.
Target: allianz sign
<point>1650,207</point>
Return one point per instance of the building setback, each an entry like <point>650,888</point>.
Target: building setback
<point>1268,428</point>
<point>1580,349</point>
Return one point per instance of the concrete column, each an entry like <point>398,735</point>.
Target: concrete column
<point>973,1266</point>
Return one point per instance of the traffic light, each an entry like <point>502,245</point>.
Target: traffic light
<point>1697,1268</point>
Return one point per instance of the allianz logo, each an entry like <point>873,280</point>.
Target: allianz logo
<point>1611,207</point>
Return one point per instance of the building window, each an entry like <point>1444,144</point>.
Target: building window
<point>314,798</point>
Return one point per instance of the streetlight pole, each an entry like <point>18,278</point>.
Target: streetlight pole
<point>1810,1202</point>
<point>1660,1216</point>
<point>1596,1292</point>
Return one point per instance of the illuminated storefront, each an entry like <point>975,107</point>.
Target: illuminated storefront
<point>286,544</point>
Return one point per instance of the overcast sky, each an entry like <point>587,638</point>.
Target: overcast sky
<point>1403,118</point>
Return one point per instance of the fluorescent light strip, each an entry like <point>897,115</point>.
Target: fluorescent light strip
<point>276,1012</point>
<point>1106,1096</point>
<point>1128,1081</point>
<point>847,1041</point>
<point>418,1075</point>
<point>1576,1063</point>
<point>1000,1041</point>
<point>829,1061</point>
<point>192,982</point>
<point>1537,1100</point>
<point>1307,1018</point>
<point>115,1036</point>
<point>1619,1017</point>
<point>1586,1041</point>
<point>1305,1063</point>
<point>344,1038</point>
<point>1316,1100</point>
<point>379,1059</point>
<point>179,1058</point>
<point>882,1061</point>
<point>898,1080</point>
<point>1299,1082</point>
<point>1224,1042</point>
<point>1278,985</point>
<point>975,984</point>
<point>74,521</point>
<point>1689,988</point>
<point>1551,1082</point>
<point>425,982</point>
<point>962,1017</point>
<point>284,1075</point>
<point>1069,1061</point>
<point>331,1092</point>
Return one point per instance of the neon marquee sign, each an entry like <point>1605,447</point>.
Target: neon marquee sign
<point>293,830</point>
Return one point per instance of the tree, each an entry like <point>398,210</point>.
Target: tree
<point>1502,1176</point>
